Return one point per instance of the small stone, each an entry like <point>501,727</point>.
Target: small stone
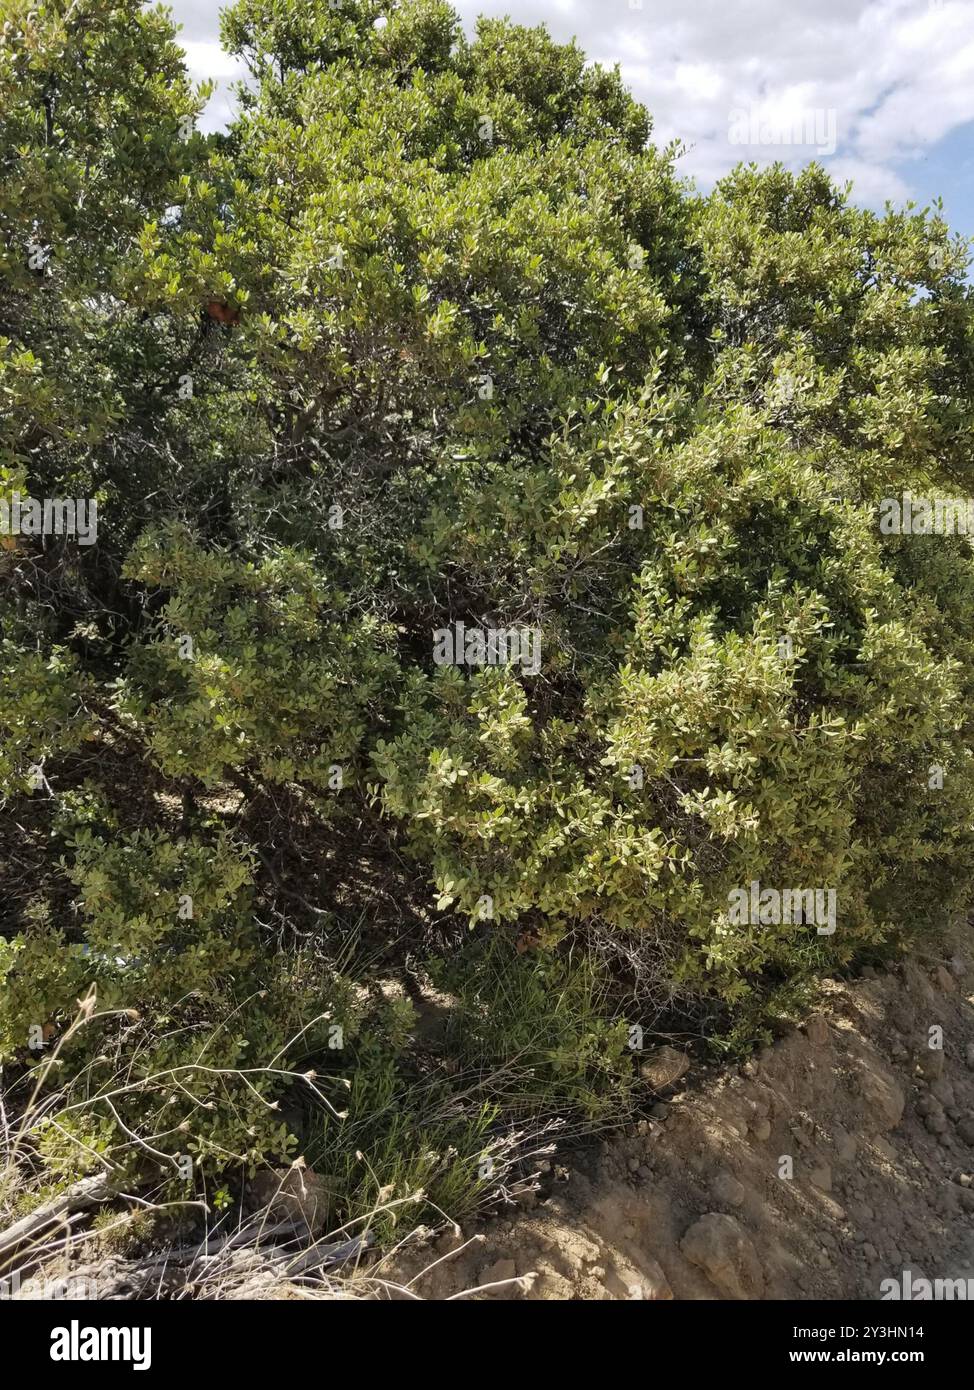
<point>718,1245</point>
<point>969,1056</point>
<point>817,1031</point>
<point>644,1171</point>
<point>965,1129</point>
<point>821,1177</point>
<point>944,980</point>
<point>942,1090</point>
<point>727,1190</point>
<point>957,967</point>
<point>918,989</point>
<point>931,1062</point>
<point>660,1110</point>
<point>870,1252</point>
<point>633,1165</point>
<point>761,1129</point>
<point>653,1284</point>
<point>936,1123</point>
<point>846,1145</point>
<point>883,1096</point>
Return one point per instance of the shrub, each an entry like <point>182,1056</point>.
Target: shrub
<point>432,334</point>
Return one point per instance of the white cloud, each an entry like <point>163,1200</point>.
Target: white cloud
<point>874,184</point>
<point>206,61</point>
<point>209,60</point>
<point>897,74</point>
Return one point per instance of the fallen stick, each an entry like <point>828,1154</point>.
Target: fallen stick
<point>86,1193</point>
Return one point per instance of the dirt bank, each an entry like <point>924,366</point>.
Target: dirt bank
<point>835,1159</point>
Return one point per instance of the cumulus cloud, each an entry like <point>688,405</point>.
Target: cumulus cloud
<point>891,77</point>
<point>862,85</point>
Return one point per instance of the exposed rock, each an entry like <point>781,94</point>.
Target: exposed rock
<point>846,1145</point>
<point>817,1031</point>
<point>821,1177</point>
<point>652,1284</point>
<point>883,1096</point>
<point>919,988</point>
<point>943,1091</point>
<point>719,1245</point>
<point>944,980</point>
<point>727,1190</point>
<point>931,1062</point>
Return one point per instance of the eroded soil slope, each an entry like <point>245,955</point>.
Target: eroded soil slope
<point>697,1202</point>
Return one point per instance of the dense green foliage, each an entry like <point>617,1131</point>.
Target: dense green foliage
<point>434,335</point>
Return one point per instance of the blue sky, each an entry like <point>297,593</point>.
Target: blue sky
<point>880,91</point>
<point>947,169</point>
